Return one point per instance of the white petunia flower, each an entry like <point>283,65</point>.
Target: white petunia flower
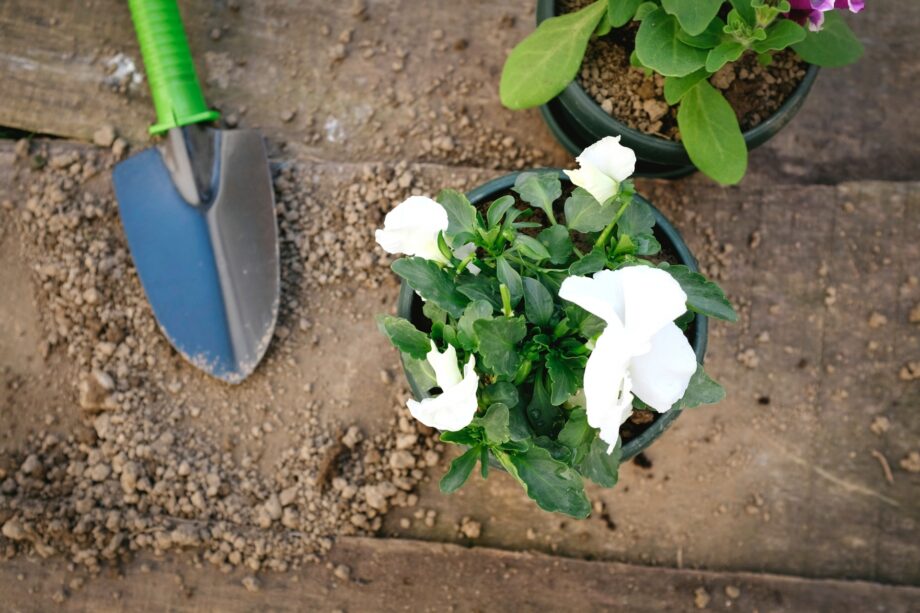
<point>602,167</point>
<point>412,228</point>
<point>455,407</point>
<point>641,352</point>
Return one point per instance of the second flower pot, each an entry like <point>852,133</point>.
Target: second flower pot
<point>577,120</point>
<point>410,305</point>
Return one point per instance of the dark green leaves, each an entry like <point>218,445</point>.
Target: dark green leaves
<point>637,219</point>
<point>495,424</point>
<point>553,485</point>
<point>546,61</point>
<point>539,189</point>
<point>583,213</point>
<point>466,335</point>
<point>498,344</point>
<point>565,376</point>
<point>405,336</point>
<point>835,45</point>
<point>541,413</point>
<point>620,12</point>
<point>703,296</point>
<point>676,87</point>
<point>431,283</point>
<point>711,134</point>
<point>510,277</point>
<point>701,390</point>
<point>591,263</point>
<point>659,48</point>
<point>601,467</point>
<point>460,470</point>
<point>461,216</point>
<point>480,287</point>
<point>693,15</point>
<point>498,209</point>
<point>531,248</point>
<point>538,302</point>
<point>558,243</point>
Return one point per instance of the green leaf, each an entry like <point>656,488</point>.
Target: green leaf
<point>592,262</point>
<point>565,375</point>
<point>541,412</point>
<point>404,336</point>
<point>708,38</point>
<point>658,47</point>
<point>693,15</point>
<point>419,370</point>
<point>587,323</point>
<point>557,450</point>
<point>646,244</point>
<point>745,10</point>
<point>711,134</point>
<point>583,213</point>
<point>726,52</point>
<point>557,241</point>
<point>539,189</point>
<point>510,277</point>
<point>541,65</point>
<point>550,483</point>
<point>495,423</point>
<point>701,390</point>
<point>474,311</point>
<point>470,436</point>
<point>703,296</point>
<point>498,209</point>
<point>637,219</point>
<point>538,302</point>
<point>577,435</point>
<point>531,248</point>
<point>601,467</point>
<point>676,87</point>
<point>480,287</point>
<point>835,45</point>
<point>432,283</point>
<point>498,340</point>
<point>501,392</point>
<point>620,12</point>
<point>783,33</point>
<point>459,471</point>
<point>461,215</point>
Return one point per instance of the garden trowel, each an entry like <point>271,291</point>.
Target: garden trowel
<point>198,212</point>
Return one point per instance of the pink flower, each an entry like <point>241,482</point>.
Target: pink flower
<point>812,11</point>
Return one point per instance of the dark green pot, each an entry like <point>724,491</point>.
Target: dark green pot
<point>577,121</point>
<point>410,305</point>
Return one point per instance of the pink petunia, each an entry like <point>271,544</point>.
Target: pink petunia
<point>812,11</point>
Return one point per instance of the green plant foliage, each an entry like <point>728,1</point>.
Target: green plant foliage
<point>461,216</point>
<point>701,390</point>
<point>621,12</point>
<point>460,470</point>
<point>539,189</point>
<point>711,134</point>
<point>783,33</point>
<point>553,485</point>
<point>693,15</point>
<point>835,45</point>
<point>498,344</point>
<point>431,283</point>
<point>546,61</point>
<point>404,336</point>
<point>659,48</point>
<point>726,52</point>
<point>703,296</point>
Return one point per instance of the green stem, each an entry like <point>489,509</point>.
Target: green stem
<point>602,239</point>
<point>506,300</point>
<point>465,261</point>
<point>549,213</point>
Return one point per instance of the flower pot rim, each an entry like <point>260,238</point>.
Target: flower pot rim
<point>575,97</point>
<point>663,228</point>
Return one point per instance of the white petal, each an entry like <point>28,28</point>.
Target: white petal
<point>455,408</point>
<point>660,376</point>
<point>594,295</point>
<point>412,228</point>
<point>464,250</point>
<point>595,182</point>
<point>446,371</point>
<point>645,299</point>
<point>608,401</point>
<point>610,157</point>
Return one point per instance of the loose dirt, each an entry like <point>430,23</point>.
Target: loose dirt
<point>147,454</point>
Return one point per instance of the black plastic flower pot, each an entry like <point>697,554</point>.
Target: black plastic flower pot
<point>577,121</point>
<point>409,305</point>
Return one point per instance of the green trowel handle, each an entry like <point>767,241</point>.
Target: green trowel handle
<point>174,85</point>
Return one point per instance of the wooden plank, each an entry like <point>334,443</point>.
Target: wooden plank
<point>397,575</point>
<point>780,477</point>
<point>274,58</point>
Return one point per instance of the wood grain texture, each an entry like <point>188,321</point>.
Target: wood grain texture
<point>398,575</point>
<point>275,58</point>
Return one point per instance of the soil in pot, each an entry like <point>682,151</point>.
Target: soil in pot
<point>628,95</point>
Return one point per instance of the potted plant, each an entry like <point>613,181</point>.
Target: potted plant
<point>674,77</point>
<point>554,323</point>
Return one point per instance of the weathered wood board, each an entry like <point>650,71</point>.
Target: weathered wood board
<point>400,575</point>
<point>380,83</point>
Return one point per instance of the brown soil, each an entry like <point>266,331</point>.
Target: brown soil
<point>626,93</point>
